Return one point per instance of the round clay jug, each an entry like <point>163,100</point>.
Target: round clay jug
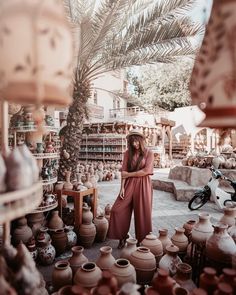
<point>59,240</point>
<point>208,280</point>
<point>55,221</point>
<point>101,224</point>
<point>220,246</point>
<point>228,275</point>
<point>22,232</point>
<point>123,271</point>
<point>130,246</point>
<point>87,233</point>
<point>224,289</point>
<point>71,236</point>
<point>87,215</point>
<point>179,239</point>
<point>46,253</point>
<point>183,276</point>
<point>61,275</point>
<point>88,275</point>
<point>229,216</point>
<point>105,260</point>
<point>77,258</point>
<point>202,229</point>
<point>170,260</point>
<point>163,283</point>
<point>163,237</point>
<point>188,226</point>
<point>145,264</point>
<point>154,244</point>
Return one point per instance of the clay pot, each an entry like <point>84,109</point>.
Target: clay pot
<point>198,291</point>
<point>59,240</point>
<point>87,181</point>
<point>179,239</point>
<point>55,221</point>
<point>202,229</point>
<point>43,231</point>
<point>232,232</point>
<point>105,260</point>
<point>145,264</point>
<point>88,275</point>
<point>61,275</point>
<point>67,184</point>
<point>216,162</point>
<point>87,215</point>
<point>32,248</point>
<point>208,280</point>
<point>71,236</point>
<point>77,258</point>
<point>154,244</point>
<point>129,248</point>
<point>228,276</point>
<point>108,279</point>
<point>123,271</point>
<point>170,260</point>
<point>101,224</point>
<point>162,283</point>
<point>35,221</point>
<point>108,211</point>
<point>188,226</point>
<point>229,216</point>
<point>224,289</point>
<point>163,237</point>
<point>183,276</point>
<point>180,291</point>
<point>87,233</point>
<point>46,253</point>
<point>22,232</point>
<point>220,246</point>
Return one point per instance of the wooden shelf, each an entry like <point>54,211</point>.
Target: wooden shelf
<point>51,181</point>
<point>45,208</point>
<point>18,203</point>
<point>46,155</point>
<point>26,128</point>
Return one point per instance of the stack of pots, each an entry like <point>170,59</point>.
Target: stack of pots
<point>87,230</point>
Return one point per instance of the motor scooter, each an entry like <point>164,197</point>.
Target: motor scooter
<point>212,192</point>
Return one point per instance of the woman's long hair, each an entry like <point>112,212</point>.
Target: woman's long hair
<point>132,150</point>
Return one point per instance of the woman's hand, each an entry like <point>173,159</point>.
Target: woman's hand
<point>122,193</point>
<point>124,174</point>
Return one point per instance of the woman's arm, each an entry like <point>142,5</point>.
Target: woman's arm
<point>139,173</point>
<point>122,188</point>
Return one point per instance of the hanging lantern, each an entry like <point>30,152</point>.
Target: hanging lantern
<point>36,52</point>
<point>213,83</point>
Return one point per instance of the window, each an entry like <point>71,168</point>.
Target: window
<point>95,97</point>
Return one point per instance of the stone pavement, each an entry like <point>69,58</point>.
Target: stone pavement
<point>167,213</point>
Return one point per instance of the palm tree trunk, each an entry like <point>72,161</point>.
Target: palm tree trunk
<point>73,131</point>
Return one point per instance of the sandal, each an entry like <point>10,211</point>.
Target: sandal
<point>123,242</point>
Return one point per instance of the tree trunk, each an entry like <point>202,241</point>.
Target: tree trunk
<point>73,130</point>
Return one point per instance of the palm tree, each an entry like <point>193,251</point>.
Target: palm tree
<point>114,34</point>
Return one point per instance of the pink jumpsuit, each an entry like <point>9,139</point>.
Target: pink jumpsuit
<point>137,197</point>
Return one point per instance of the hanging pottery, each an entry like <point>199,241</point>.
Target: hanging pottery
<point>41,68</point>
<point>213,84</point>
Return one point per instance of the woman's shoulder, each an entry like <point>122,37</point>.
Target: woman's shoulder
<point>148,152</point>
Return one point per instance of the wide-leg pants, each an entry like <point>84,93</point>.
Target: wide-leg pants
<point>138,198</point>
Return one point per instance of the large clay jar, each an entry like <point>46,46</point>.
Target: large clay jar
<point>105,260</point>
<point>55,221</point>
<point>208,280</point>
<point>87,215</point>
<point>77,258</point>
<point>220,246</point>
<point>71,236</point>
<point>67,184</point>
<point>46,252</point>
<point>88,275</point>
<point>59,240</point>
<point>183,276</point>
<point>61,275</point>
<point>163,237</point>
<point>228,276</point>
<point>170,260</point>
<point>179,239</point>
<point>22,232</point>
<point>108,279</point>
<point>162,283</point>
<point>202,229</point>
<point>145,265</point>
<point>101,224</point>
<point>130,246</point>
<point>154,244</point>
<point>87,233</point>
<point>229,216</point>
<point>188,226</point>
<point>224,289</point>
<point>123,271</point>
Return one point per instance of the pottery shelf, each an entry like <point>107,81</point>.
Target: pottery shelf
<point>45,208</point>
<point>18,203</point>
<point>50,181</point>
<point>46,155</point>
<point>33,128</point>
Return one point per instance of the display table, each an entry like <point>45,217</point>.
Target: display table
<point>78,197</point>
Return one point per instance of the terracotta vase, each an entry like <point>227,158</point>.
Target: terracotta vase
<point>232,231</point>
<point>208,280</point>
<point>179,239</point>
<point>101,224</point>
<point>88,275</point>
<point>59,186</point>
<point>145,264</point>
<point>123,271</point>
<point>130,246</point>
<point>163,283</point>
<point>71,236</point>
<point>108,279</point>
<point>183,276</point>
<point>229,216</point>
<point>224,289</point>
<point>22,232</point>
<point>87,182</point>
<point>87,215</point>
<point>55,221</point>
<point>170,260</point>
<point>228,276</point>
<point>32,248</point>
<point>165,240</point>
<point>77,258</point>
<point>59,240</point>
<point>108,211</point>
<point>105,260</point>
<point>61,275</point>
<point>188,226</point>
<point>202,229</point>
<point>67,184</point>
<point>154,244</point>
<point>35,221</point>
<point>87,233</point>
<point>46,252</point>
<point>220,246</point>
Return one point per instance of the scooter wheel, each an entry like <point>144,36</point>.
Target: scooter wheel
<point>197,201</point>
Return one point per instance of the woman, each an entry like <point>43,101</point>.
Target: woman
<point>135,192</point>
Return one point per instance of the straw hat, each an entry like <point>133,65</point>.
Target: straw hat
<point>134,131</point>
